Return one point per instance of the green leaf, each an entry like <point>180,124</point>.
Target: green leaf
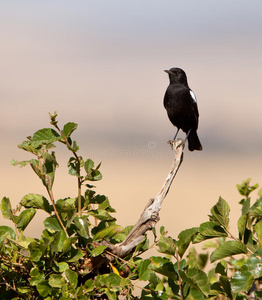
<point>101,200</point>
<point>258,229</point>
<point>7,209</point>
<point>65,205</point>
<point>216,289</point>
<point>107,232</point>
<point>202,260</point>
<point>196,279</point>
<point>144,271</point>
<point>246,206</point>
<point>60,267</point>
<point>98,250</point>
<point>7,231</point>
<point>185,238</point>
<point>27,146</point>
<point>58,243</point>
<point>49,168</point>
<point>35,253</point>
<point>221,268</point>
<point>72,277</point>
<point>256,209</point>
<point>89,285</point>
<point>162,230</point>
<point>172,286</point>
<point>227,249</point>
<point>220,213</point>
<point>92,174</point>
<point>164,267</point>
<point>37,169</point>
<point>81,225</point>
<point>36,201</point>
<point>56,280</point>
<point>166,245</point>
<point>245,189</point>
<point>101,214</point>
<point>119,238</point>
<point>76,254</point>
<point>242,281</point>
<point>52,224</point>
<point>209,230</point>
<point>241,224</point>
<point>89,196</point>
<point>53,118</point>
<point>74,147</point>
<point>44,136</point>
<point>44,289</point>
<point>224,282</point>
<point>209,244</point>
<point>110,294</point>
<point>95,176</point>
<point>105,204</point>
<point>24,163</point>
<point>25,218</point>
<point>69,128</point>
<point>196,295</point>
<point>36,276</point>
<point>101,225</point>
<point>250,241</point>
<point>89,165</point>
<point>72,168</point>
<point>254,265</point>
<point>113,279</point>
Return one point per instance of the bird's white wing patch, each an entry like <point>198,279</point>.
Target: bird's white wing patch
<point>193,96</point>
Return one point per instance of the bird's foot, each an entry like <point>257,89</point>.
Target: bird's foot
<point>176,143</point>
<point>171,143</point>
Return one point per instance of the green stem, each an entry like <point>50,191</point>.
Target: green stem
<point>79,189</point>
<point>232,237</point>
<point>50,193</point>
<point>179,277</point>
<point>78,170</point>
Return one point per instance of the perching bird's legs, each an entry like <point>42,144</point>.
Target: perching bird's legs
<point>184,141</point>
<point>176,134</point>
<point>187,135</point>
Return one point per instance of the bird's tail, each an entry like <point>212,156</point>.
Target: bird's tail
<point>193,141</point>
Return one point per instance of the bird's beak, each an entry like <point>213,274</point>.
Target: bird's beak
<point>168,72</point>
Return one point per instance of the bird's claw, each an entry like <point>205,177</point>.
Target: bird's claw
<point>176,143</point>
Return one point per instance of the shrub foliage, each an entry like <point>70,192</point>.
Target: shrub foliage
<point>68,262</point>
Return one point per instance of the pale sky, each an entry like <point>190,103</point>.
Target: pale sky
<point>102,62</point>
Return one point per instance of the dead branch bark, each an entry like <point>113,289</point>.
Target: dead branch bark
<point>150,215</point>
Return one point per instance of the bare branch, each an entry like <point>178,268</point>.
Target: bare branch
<point>150,215</point>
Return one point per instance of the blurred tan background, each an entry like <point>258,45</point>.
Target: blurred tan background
<point>100,64</point>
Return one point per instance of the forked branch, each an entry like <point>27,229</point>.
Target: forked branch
<point>150,215</point>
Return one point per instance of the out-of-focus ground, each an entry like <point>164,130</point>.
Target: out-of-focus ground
<point>129,184</point>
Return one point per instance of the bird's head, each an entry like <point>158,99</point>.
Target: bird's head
<point>177,75</point>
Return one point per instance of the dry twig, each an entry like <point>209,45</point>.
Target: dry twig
<point>150,215</point>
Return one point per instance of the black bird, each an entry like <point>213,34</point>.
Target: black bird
<point>181,105</point>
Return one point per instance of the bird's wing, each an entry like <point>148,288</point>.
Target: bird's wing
<point>193,96</point>
<point>194,104</point>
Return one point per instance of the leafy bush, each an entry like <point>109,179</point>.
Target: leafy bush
<point>69,261</point>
